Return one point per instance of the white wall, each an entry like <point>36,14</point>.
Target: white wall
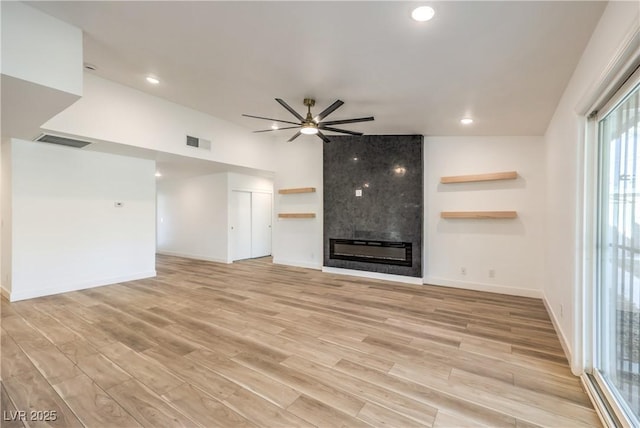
<point>194,213</point>
<point>564,141</point>
<point>298,242</point>
<point>512,248</point>
<point>250,183</point>
<point>193,217</point>
<point>41,74</point>
<point>41,67</point>
<point>67,233</point>
<point>5,218</point>
<point>116,113</point>
<point>41,49</point>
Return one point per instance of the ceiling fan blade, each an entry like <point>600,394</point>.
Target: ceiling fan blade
<point>267,118</point>
<point>339,122</point>
<point>277,129</point>
<point>294,137</point>
<point>323,137</point>
<point>344,131</point>
<point>292,111</point>
<point>326,112</point>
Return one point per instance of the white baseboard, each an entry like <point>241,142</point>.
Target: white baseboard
<point>478,286</point>
<point>563,340</point>
<point>193,256</point>
<point>277,261</point>
<point>17,295</point>
<point>373,275</point>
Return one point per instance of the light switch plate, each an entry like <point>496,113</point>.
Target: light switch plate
<point>358,192</point>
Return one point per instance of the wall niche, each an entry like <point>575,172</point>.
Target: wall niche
<point>374,202</point>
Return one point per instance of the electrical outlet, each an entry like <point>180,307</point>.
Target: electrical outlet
<point>463,270</point>
<point>492,273</point>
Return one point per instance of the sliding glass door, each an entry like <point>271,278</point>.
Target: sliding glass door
<point>617,297</point>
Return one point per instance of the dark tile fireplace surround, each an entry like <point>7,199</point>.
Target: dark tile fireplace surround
<point>373,203</point>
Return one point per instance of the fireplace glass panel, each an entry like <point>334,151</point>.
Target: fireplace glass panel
<point>384,252</point>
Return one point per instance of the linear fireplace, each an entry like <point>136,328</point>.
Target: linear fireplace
<point>372,214</point>
<point>362,250</point>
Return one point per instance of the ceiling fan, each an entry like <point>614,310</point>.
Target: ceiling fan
<point>313,125</point>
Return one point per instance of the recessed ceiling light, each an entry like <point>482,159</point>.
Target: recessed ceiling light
<point>158,174</point>
<point>466,121</point>
<point>274,126</point>
<point>423,13</point>
<point>152,80</point>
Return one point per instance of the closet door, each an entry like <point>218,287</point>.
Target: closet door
<point>240,225</point>
<point>260,224</point>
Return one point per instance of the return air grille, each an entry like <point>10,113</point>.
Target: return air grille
<point>198,143</point>
<point>62,141</point>
<point>193,141</point>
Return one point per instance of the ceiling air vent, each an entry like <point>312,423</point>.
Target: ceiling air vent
<point>198,143</point>
<point>62,141</point>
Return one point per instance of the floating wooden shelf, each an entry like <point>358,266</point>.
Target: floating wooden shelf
<point>297,215</point>
<point>478,214</point>
<point>493,176</point>
<point>297,190</point>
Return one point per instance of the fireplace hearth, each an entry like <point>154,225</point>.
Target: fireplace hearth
<point>360,250</point>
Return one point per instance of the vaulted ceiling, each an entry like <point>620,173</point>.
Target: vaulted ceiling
<point>505,64</point>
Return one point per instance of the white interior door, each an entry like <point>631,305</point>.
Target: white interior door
<point>240,225</point>
<point>260,224</point>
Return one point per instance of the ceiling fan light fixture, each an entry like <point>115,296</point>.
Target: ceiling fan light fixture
<point>309,129</point>
<point>312,125</point>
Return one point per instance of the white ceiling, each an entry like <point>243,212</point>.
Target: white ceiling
<point>504,63</point>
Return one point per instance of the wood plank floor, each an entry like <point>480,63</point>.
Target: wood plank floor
<point>256,344</point>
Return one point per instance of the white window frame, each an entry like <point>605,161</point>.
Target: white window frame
<point>589,272</point>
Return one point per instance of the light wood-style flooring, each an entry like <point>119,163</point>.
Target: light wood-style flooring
<point>256,344</point>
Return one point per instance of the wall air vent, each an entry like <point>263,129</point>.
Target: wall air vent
<point>193,141</point>
<point>62,141</point>
<point>198,143</point>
